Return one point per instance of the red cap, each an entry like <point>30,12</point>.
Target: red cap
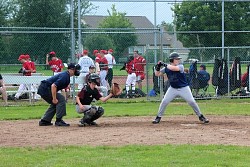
<point>85,52</point>
<point>52,53</point>
<point>111,50</point>
<point>21,57</point>
<point>27,56</point>
<point>95,51</point>
<point>103,51</point>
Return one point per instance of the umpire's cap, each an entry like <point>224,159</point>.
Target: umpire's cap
<point>95,78</point>
<point>174,55</point>
<point>203,66</point>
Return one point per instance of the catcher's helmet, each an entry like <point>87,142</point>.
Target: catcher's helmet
<point>174,55</point>
<point>94,78</point>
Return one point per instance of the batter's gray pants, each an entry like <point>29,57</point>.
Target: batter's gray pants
<point>185,93</point>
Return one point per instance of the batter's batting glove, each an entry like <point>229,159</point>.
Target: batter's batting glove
<point>158,66</point>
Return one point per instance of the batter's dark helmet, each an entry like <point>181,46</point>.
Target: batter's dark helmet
<point>94,78</point>
<point>174,55</point>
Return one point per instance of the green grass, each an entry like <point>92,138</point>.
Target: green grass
<point>130,155</point>
<point>116,107</point>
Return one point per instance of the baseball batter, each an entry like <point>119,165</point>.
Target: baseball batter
<point>178,86</point>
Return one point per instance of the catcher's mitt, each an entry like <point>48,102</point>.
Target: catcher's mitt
<point>115,89</point>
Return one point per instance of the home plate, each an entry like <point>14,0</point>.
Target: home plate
<point>188,125</point>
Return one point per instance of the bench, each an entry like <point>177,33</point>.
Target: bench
<point>11,80</point>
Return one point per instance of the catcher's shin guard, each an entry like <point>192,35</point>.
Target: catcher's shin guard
<point>98,114</point>
<point>88,115</point>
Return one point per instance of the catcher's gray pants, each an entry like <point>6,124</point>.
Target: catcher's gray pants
<point>59,109</point>
<point>183,92</point>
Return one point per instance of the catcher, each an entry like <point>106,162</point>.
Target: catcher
<point>85,97</point>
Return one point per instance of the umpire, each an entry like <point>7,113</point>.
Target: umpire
<point>48,90</point>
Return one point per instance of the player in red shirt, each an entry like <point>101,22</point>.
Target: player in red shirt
<point>55,63</point>
<point>140,63</point>
<point>103,64</point>
<point>26,71</point>
<point>131,78</point>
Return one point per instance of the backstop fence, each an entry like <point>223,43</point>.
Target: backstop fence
<point>218,50</point>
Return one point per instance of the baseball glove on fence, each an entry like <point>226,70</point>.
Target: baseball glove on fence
<point>115,89</point>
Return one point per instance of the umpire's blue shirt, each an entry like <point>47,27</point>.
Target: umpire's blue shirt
<point>61,80</point>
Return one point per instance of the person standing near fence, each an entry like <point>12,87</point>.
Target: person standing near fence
<point>56,64</point>
<point>97,60</point>
<point>48,90</point>
<point>3,90</point>
<point>140,63</point>
<point>85,62</point>
<point>178,86</point>
<point>111,62</point>
<point>26,70</point>
<point>103,64</point>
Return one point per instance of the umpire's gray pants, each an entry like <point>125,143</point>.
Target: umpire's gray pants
<point>59,109</point>
<point>183,92</point>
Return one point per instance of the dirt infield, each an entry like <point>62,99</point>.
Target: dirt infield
<point>226,130</point>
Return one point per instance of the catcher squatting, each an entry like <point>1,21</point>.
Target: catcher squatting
<point>86,96</point>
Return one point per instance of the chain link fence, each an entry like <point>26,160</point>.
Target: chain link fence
<point>154,44</point>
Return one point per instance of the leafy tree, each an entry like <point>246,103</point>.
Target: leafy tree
<point>168,27</point>
<point>206,16</point>
<point>40,13</point>
<point>98,41</point>
<point>118,20</point>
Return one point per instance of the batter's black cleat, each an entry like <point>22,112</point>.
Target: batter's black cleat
<point>157,120</point>
<point>44,123</point>
<point>61,123</point>
<point>203,119</point>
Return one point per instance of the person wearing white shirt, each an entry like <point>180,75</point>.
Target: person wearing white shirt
<point>85,62</point>
<point>111,62</point>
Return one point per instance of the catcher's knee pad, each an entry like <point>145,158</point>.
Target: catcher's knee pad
<point>89,114</point>
<point>98,114</point>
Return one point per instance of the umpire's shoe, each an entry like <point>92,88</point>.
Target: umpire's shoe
<point>61,123</point>
<point>44,123</point>
<point>203,119</point>
<point>157,120</point>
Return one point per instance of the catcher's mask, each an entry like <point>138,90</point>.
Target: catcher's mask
<point>174,55</point>
<point>75,67</point>
<point>95,78</point>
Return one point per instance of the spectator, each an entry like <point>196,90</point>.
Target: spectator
<point>140,63</point>
<point>55,63</point>
<point>26,71</point>
<point>3,90</point>
<point>85,62</point>
<point>111,62</point>
<point>97,60</point>
<point>103,64</point>
<point>131,78</point>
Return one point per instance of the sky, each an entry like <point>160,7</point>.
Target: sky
<point>163,10</point>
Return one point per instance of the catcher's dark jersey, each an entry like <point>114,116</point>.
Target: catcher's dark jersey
<point>86,95</point>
